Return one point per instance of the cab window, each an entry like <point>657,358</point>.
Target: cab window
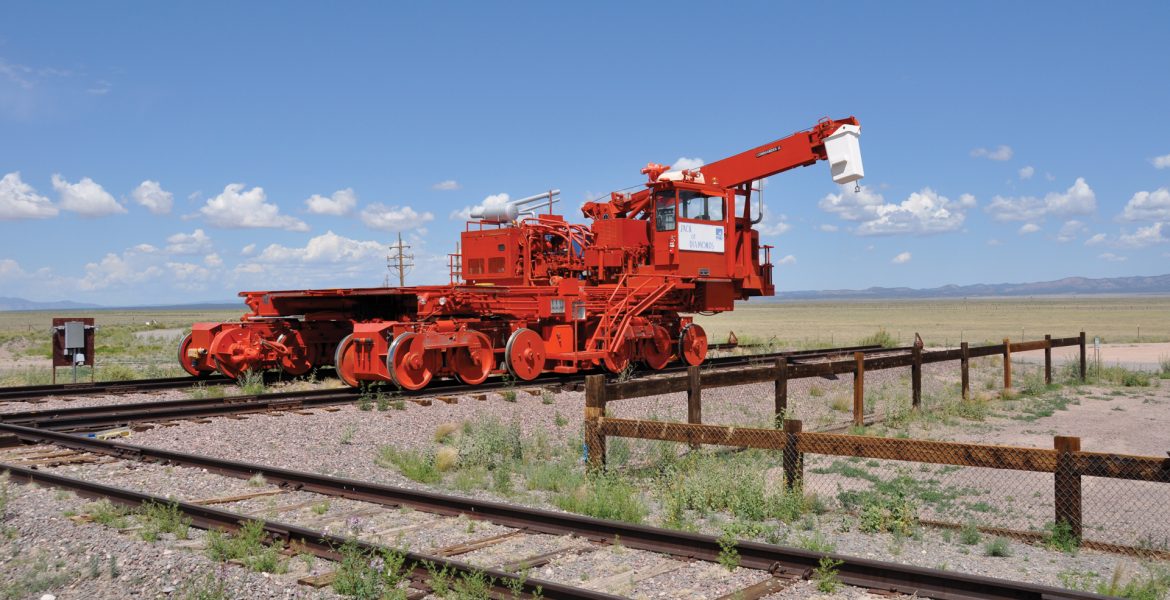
<point>700,207</point>
<point>664,211</point>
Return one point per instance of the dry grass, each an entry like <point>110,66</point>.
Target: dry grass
<point>946,322</point>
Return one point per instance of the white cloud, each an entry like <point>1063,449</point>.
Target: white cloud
<point>901,259</point>
<point>339,203</point>
<point>1148,206</point>
<point>325,248</point>
<point>447,185</point>
<point>248,250</point>
<point>1027,172</point>
<point>787,260</point>
<point>1027,228</point>
<point>213,260</point>
<point>770,225</point>
<point>999,153</point>
<point>189,276</point>
<point>18,200</point>
<point>393,218</point>
<point>1145,236</point>
<point>1078,199</point>
<point>196,242</point>
<point>684,162</point>
<point>1161,162</point>
<point>237,208</point>
<point>1111,257</point>
<point>993,242</point>
<point>1071,230</point>
<point>86,198</point>
<point>115,270</point>
<point>828,228</point>
<point>10,269</point>
<point>151,195</point>
<point>492,201</point>
<point>1098,238</point>
<point>923,212</point>
<point>144,249</point>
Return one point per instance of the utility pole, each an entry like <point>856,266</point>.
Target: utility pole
<point>398,261</point>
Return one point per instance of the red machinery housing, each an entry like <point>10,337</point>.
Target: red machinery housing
<point>532,293</point>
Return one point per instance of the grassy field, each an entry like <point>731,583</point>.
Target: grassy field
<point>947,322</point>
<point>125,348</point>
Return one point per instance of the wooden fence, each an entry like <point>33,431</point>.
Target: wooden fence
<point>1066,461</point>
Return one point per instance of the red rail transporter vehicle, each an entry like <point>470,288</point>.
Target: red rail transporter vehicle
<point>533,293</point>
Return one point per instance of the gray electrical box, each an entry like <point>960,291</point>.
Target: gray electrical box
<point>74,336</point>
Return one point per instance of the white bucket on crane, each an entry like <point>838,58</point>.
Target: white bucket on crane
<point>844,151</point>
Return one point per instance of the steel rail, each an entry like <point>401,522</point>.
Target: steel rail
<point>320,543</point>
<point>94,418</point>
<point>906,579</point>
<point>25,392</point>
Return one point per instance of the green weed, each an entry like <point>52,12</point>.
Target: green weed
<point>604,497</point>
<point>412,464</point>
<point>826,575</point>
<point>162,518</point>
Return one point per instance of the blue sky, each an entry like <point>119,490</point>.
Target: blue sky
<point>158,152</point>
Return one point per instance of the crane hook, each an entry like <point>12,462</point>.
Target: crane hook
<point>857,188</point>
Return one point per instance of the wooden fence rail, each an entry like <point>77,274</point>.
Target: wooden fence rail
<point>1065,460</point>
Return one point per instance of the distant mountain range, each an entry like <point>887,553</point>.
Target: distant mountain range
<point>1157,284</point>
<point>22,304</point>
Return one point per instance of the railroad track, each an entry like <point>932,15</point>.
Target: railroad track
<point>96,418</point>
<point>779,566</point>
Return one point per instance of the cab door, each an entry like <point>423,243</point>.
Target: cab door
<point>665,230</point>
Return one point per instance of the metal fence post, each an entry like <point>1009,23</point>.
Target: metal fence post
<point>594,412</point>
<point>859,390</point>
<point>694,397</point>
<point>793,458</point>
<point>1047,359</point>
<point>781,391</point>
<point>964,367</point>
<point>916,377</point>
<point>1084,370</point>
<point>1007,364</point>
<point>1067,483</point>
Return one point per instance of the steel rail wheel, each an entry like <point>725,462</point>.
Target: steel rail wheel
<point>618,360</point>
<point>692,345</point>
<point>234,351</point>
<point>343,361</point>
<point>524,354</point>
<point>296,361</point>
<point>185,361</point>
<point>472,364</point>
<point>656,351</point>
<point>408,362</point>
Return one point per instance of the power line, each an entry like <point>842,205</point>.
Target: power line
<point>398,262</point>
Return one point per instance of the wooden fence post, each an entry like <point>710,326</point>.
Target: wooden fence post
<point>964,367</point>
<point>793,458</point>
<point>1084,370</point>
<point>916,377</point>
<point>1047,359</point>
<point>1067,490</point>
<point>781,390</point>
<point>859,390</point>
<point>1007,364</point>
<point>594,412</point>
<point>694,398</point>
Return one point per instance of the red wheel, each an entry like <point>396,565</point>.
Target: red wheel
<point>343,361</point>
<point>410,364</point>
<point>618,360</point>
<point>297,362</point>
<point>473,363</point>
<point>235,350</point>
<point>692,345</point>
<point>187,362</point>
<point>656,351</point>
<point>524,354</point>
